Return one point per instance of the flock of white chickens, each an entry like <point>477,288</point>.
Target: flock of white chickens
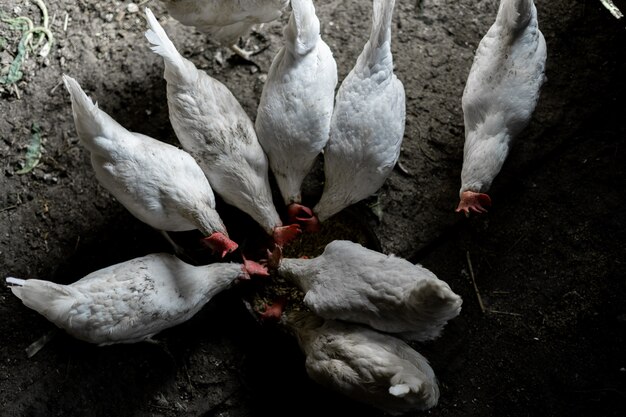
<point>363,306</point>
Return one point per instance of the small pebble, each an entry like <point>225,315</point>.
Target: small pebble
<point>132,8</point>
<point>219,58</point>
<point>50,179</point>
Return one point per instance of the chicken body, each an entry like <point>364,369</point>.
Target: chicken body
<point>365,365</point>
<point>367,125</point>
<point>500,96</point>
<point>130,301</point>
<point>158,183</point>
<point>352,283</point>
<point>213,127</point>
<point>293,118</point>
<point>225,20</point>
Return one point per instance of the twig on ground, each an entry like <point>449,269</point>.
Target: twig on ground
<point>471,271</point>
<point>504,312</point>
<point>38,344</point>
<point>17,92</point>
<point>430,158</point>
<point>55,87</point>
<point>402,169</point>
<point>3,209</point>
<point>519,239</point>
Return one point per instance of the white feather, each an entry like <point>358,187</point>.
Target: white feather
<point>399,390</point>
<point>15,281</point>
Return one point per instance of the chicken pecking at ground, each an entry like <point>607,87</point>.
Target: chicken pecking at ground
<point>500,96</point>
<point>293,118</point>
<point>213,127</point>
<point>352,283</point>
<point>131,301</point>
<point>131,167</point>
<point>365,365</point>
<point>225,20</point>
<point>367,125</point>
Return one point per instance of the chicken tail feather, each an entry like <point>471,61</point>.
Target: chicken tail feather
<point>303,29</point>
<point>80,100</point>
<point>515,14</point>
<point>376,56</point>
<point>47,298</point>
<point>92,124</point>
<point>15,281</point>
<point>176,68</point>
<point>381,22</point>
<point>399,390</point>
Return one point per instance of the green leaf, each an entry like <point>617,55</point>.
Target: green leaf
<point>33,153</point>
<point>14,74</point>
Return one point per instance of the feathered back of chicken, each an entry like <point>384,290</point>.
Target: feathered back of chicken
<point>436,304</point>
<point>225,21</point>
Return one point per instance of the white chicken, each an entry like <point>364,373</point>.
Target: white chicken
<point>131,166</point>
<point>352,283</point>
<point>133,300</point>
<point>225,20</point>
<point>365,365</point>
<point>500,96</point>
<point>367,125</point>
<point>293,118</point>
<point>213,127</point>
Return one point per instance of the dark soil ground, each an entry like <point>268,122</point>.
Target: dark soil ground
<point>548,260</point>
